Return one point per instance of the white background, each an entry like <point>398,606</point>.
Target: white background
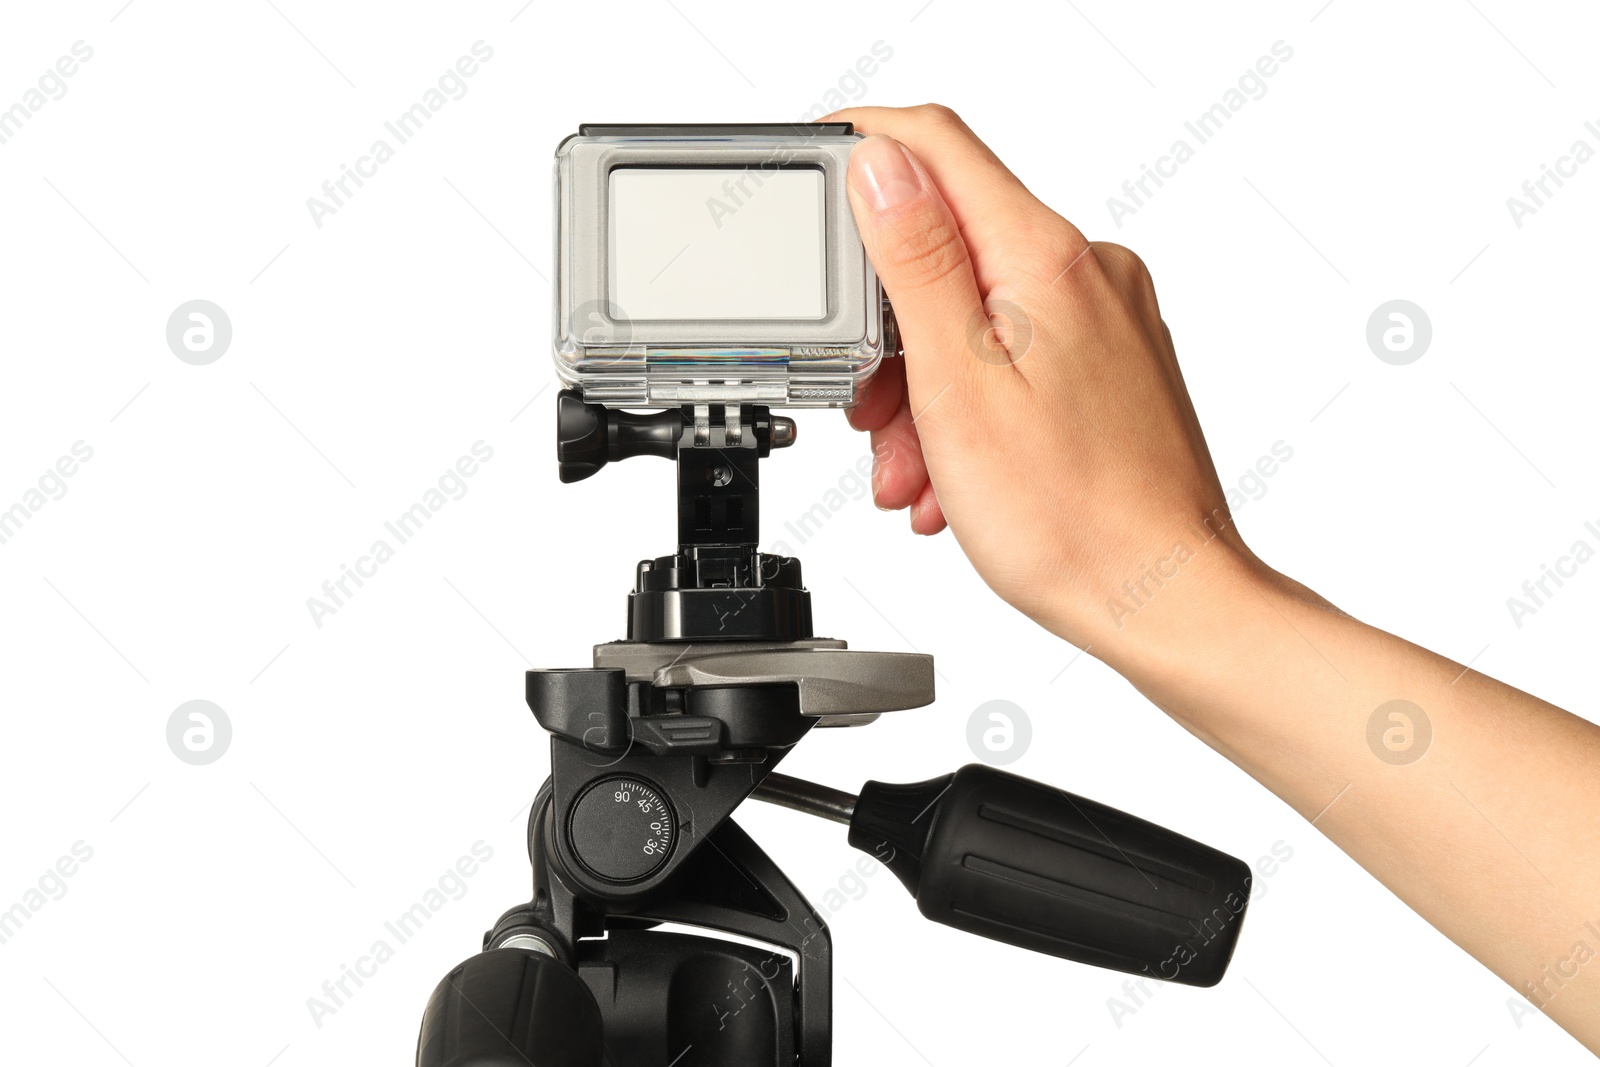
<point>372,351</point>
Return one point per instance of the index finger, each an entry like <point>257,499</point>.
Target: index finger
<point>1000,220</point>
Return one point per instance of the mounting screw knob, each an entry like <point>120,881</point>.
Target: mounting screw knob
<point>588,436</point>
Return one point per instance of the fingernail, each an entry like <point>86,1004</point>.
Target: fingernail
<point>887,178</point>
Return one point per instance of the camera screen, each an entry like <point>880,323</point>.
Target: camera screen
<point>718,243</point>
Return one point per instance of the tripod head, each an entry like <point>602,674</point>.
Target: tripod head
<point>655,746</point>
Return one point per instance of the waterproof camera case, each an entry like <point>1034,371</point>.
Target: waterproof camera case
<point>713,265</point>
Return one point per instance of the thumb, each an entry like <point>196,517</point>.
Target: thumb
<point>916,247</point>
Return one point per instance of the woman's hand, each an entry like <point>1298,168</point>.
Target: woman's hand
<point>1039,410</point>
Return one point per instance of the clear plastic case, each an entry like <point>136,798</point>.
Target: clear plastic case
<point>713,264</point>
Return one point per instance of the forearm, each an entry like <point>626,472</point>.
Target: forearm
<point>1488,828</point>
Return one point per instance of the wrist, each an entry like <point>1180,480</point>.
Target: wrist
<point>1172,626</point>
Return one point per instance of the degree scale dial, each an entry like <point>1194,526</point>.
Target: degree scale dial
<point>622,829</point>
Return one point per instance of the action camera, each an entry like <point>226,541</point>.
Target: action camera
<point>713,265</point>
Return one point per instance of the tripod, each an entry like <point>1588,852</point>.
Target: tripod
<point>654,747</point>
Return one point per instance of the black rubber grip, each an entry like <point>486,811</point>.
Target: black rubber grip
<point>509,1007</point>
<point>1033,866</point>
